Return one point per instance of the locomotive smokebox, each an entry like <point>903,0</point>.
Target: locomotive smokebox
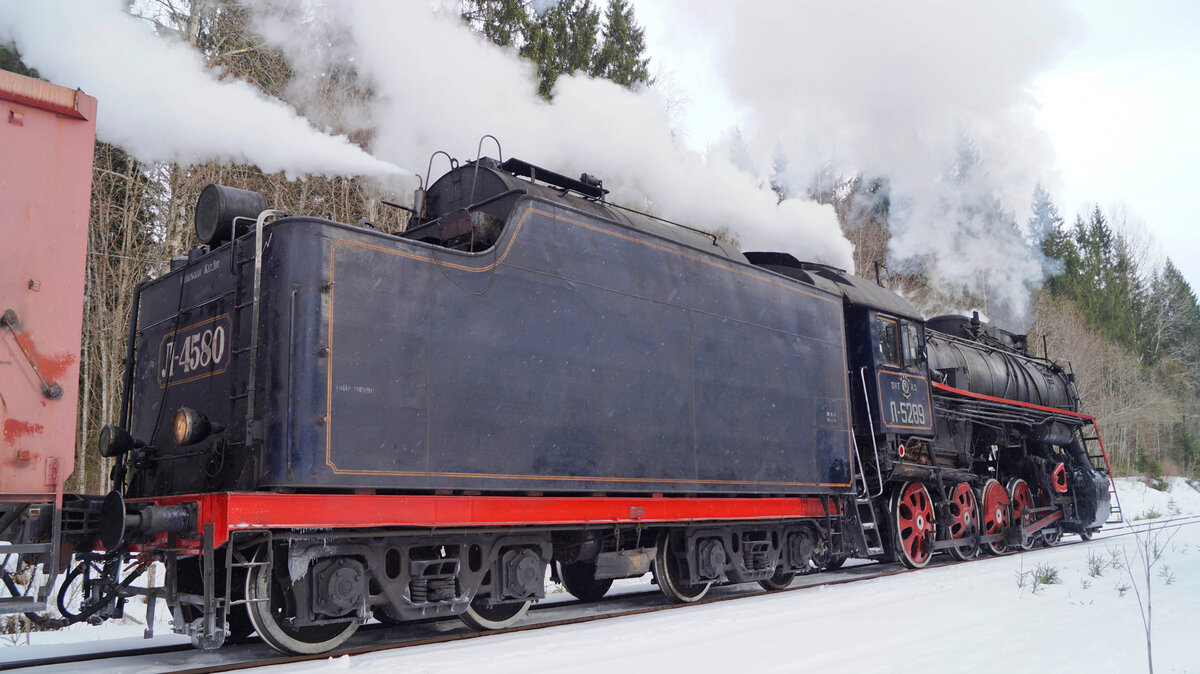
<point>219,207</point>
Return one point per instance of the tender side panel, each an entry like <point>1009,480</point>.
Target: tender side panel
<point>576,356</point>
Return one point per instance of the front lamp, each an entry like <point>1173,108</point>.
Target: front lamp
<point>190,426</point>
<point>114,441</point>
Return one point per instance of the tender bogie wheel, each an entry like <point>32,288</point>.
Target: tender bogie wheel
<point>834,562</point>
<point>670,571</point>
<point>483,615</point>
<point>780,580</point>
<point>382,615</point>
<point>579,579</point>
<point>995,514</point>
<point>270,618</point>
<point>913,524</point>
<point>1086,534</point>
<point>964,522</point>
<point>1021,498</point>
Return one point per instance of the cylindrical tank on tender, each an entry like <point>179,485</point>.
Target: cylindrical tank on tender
<point>967,354</point>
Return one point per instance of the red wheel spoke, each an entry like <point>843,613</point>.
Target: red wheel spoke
<point>914,524</point>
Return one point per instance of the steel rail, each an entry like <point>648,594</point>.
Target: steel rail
<point>1130,529</point>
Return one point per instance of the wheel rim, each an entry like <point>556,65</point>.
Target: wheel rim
<point>270,617</point>
<point>914,525</point>
<point>579,579</point>
<point>964,521</point>
<point>995,514</point>
<point>779,580</point>
<point>1021,498</point>
<point>670,573</point>
<point>482,614</point>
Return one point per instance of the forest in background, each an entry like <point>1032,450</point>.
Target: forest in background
<point>1128,321</point>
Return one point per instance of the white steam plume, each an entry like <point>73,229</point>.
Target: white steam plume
<point>889,89</point>
<point>159,102</point>
<point>438,85</point>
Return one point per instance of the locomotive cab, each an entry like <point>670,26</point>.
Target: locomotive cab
<point>896,380</point>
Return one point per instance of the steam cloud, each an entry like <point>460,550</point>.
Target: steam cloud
<point>893,89</point>
<point>438,85</point>
<point>871,86</point>
<point>159,102</point>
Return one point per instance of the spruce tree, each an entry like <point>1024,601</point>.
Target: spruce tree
<point>504,22</point>
<point>1045,220</point>
<point>620,57</point>
<point>562,41</point>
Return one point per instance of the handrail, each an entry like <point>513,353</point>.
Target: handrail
<point>254,319</point>
<point>858,460</point>
<point>871,422</point>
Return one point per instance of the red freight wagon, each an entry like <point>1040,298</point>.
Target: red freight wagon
<point>47,135</point>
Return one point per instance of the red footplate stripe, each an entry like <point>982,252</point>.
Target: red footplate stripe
<point>231,511</point>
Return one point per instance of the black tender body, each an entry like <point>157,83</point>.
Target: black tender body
<point>582,349</point>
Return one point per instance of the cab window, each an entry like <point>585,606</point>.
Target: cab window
<point>889,341</point>
<point>911,345</point>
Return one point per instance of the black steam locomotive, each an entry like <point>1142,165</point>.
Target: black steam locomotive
<point>324,423</point>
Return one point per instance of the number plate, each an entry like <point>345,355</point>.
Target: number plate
<point>195,352</point>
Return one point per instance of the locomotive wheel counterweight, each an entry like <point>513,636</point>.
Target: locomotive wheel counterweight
<point>996,516</point>
<point>964,523</point>
<point>1022,508</point>
<point>912,510</point>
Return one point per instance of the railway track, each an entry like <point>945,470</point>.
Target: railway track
<point>183,659</point>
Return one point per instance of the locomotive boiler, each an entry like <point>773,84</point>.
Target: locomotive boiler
<point>324,424</point>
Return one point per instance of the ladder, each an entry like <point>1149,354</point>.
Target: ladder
<point>868,535</point>
<point>1098,457</point>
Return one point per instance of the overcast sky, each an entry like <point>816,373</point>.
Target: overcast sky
<point>1122,110</point>
<point>1118,103</point>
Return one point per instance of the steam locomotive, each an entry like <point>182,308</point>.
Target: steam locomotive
<point>324,423</point>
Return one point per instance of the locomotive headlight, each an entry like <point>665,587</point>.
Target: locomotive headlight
<point>114,441</point>
<point>190,426</point>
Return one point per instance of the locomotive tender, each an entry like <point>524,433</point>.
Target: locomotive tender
<point>324,423</point>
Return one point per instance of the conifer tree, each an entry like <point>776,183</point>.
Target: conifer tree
<point>562,41</point>
<point>504,22</point>
<point>620,57</point>
<point>1045,220</point>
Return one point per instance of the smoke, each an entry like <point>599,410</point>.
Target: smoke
<point>159,102</point>
<point>897,89</point>
<point>438,85</point>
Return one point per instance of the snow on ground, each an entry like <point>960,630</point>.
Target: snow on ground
<point>975,617</point>
<point>1140,501</point>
